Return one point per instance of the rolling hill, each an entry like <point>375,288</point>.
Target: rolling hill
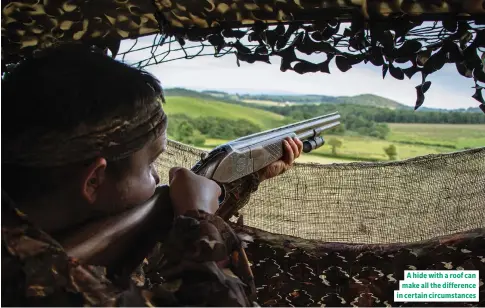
<point>292,99</point>
<point>210,106</point>
<point>363,99</point>
<point>372,100</point>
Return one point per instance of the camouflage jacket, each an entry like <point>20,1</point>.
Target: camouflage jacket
<point>202,263</point>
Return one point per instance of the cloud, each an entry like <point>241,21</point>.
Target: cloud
<point>449,89</point>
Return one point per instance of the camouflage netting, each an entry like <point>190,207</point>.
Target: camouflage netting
<point>392,34</point>
<point>300,212</point>
<point>369,203</point>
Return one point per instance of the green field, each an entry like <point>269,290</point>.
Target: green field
<point>427,139</point>
<point>460,136</point>
<point>193,107</point>
<point>367,148</point>
<point>411,140</point>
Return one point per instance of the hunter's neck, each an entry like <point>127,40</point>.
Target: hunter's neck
<point>53,214</point>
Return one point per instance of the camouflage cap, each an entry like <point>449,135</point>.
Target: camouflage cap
<point>114,138</point>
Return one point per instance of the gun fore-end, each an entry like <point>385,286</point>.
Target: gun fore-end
<point>313,143</point>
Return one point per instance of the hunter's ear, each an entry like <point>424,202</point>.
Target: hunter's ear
<point>93,177</point>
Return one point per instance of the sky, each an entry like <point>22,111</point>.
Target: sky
<point>449,90</point>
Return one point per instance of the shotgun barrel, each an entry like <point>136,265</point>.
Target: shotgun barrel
<point>302,130</point>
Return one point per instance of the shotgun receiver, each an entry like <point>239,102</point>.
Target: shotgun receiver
<point>243,156</point>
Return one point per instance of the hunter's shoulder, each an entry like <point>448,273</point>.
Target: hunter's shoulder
<point>36,271</point>
<point>22,239</point>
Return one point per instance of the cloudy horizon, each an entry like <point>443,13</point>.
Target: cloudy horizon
<point>449,90</point>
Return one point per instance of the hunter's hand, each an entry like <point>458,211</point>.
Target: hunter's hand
<point>189,191</point>
<point>293,149</point>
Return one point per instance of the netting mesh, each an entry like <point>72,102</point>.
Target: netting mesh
<point>367,203</point>
<point>402,47</point>
<point>161,48</point>
<point>404,37</point>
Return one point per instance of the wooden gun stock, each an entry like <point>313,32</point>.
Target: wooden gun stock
<point>131,235</point>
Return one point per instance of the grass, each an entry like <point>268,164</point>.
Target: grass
<point>193,107</point>
<point>367,148</point>
<point>460,136</point>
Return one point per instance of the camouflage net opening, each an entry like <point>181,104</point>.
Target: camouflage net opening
<point>404,37</point>
<point>367,203</point>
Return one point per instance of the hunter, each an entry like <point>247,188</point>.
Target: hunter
<point>80,135</point>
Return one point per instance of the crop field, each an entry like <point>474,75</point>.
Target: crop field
<point>460,136</point>
<point>367,148</point>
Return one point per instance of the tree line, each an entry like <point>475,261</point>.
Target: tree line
<point>195,130</point>
<point>290,98</point>
<point>352,112</point>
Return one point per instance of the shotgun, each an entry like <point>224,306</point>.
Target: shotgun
<point>246,155</point>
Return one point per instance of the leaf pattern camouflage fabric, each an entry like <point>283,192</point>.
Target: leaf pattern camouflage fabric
<point>387,33</point>
<point>200,262</point>
<point>292,271</point>
<point>26,24</point>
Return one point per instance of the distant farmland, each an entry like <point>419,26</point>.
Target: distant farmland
<point>411,140</point>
